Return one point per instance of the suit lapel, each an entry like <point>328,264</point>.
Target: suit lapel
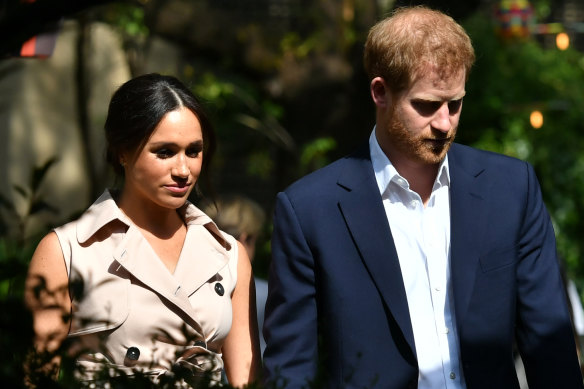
<point>468,220</point>
<point>362,208</point>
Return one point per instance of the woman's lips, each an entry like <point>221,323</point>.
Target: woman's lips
<point>179,189</point>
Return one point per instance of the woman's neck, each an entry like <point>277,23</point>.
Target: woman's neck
<point>149,216</point>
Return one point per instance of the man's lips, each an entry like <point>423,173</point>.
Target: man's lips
<point>438,142</point>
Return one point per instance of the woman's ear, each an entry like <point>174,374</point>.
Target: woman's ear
<point>380,92</point>
<point>124,157</point>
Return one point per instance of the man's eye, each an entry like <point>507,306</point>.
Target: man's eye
<point>454,106</point>
<point>426,108</point>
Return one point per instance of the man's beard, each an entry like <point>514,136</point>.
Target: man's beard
<point>428,149</point>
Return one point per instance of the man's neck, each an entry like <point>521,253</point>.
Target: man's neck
<point>421,177</point>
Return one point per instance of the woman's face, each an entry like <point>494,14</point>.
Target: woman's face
<point>165,171</point>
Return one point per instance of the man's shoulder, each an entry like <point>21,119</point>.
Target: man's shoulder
<point>470,156</point>
<point>326,176</point>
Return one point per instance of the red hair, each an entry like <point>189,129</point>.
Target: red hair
<point>415,40</point>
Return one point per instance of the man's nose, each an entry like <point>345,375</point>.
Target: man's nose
<point>441,121</point>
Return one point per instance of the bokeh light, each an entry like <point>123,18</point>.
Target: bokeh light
<point>536,119</point>
<point>562,41</point>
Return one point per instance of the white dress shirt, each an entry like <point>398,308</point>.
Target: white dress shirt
<point>422,240</point>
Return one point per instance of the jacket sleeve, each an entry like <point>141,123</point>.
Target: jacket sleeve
<point>290,326</point>
<point>544,331</point>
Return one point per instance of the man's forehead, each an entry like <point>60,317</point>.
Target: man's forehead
<point>434,85</point>
<point>439,73</point>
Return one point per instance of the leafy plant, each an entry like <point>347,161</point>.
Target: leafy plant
<point>16,327</point>
<point>510,80</point>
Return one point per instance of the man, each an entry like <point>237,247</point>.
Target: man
<point>417,262</point>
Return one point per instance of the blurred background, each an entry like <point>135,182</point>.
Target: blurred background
<point>284,83</point>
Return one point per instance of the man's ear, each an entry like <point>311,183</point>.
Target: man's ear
<point>380,93</point>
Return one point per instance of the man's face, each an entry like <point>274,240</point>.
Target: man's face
<point>422,120</point>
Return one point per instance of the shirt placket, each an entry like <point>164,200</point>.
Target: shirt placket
<point>435,249</point>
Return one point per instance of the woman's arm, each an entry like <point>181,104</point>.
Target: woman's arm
<point>241,352</point>
<point>47,296</point>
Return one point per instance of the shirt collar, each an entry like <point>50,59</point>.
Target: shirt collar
<point>385,172</point>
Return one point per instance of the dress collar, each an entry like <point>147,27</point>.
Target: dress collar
<point>105,210</point>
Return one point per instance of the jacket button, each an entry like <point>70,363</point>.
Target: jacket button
<point>132,356</point>
<point>219,289</point>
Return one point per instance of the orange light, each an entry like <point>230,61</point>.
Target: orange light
<point>562,41</point>
<point>536,119</point>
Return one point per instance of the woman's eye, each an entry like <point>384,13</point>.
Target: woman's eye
<point>164,153</point>
<point>193,152</point>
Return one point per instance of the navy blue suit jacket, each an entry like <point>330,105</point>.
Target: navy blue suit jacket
<point>337,313</point>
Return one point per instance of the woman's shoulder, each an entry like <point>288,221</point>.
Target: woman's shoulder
<point>103,212</point>
<point>48,247</point>
<point>194,216</point>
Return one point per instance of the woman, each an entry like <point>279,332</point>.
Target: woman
<point>147,281</point>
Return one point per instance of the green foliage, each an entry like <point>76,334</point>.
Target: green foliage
<point>293,44</point>
<point>34,203</point>
<point>16,250</point>
<point>542,8</point>
<point>238,101</point>
<point>509,81</point>
<point>314,153</point>
<point>128,18</point>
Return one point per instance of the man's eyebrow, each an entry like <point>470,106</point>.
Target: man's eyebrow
<point>460,96</point>
<point>432,99</point>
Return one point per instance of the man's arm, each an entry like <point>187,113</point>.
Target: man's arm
<point>544,331</point>
<point>290,325</point>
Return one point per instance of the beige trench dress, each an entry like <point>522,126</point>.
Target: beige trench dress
<point>129,312</point>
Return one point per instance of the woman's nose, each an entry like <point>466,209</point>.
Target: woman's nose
<point>181,168</point>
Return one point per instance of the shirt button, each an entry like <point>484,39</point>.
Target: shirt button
<point>446,330</point>
<point>452,375</point>
<point>219,289</point>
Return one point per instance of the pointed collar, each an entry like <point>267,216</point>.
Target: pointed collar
<point>385,172</point>
<point>105,210</point>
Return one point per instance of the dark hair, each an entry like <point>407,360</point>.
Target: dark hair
<point>139,105</point>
